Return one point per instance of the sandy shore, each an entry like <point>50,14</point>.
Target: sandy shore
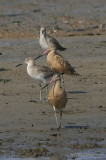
<point>28,128</point>
<point>26,124</point>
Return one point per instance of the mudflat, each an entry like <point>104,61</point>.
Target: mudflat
<point>28,127</point>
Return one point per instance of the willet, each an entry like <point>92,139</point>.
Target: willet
<point>40,73</point>
<point>46,40</point>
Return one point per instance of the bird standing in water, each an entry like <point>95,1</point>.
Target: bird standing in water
<point>40,73</point>
<point>57,97</point>
<point>46,40</point>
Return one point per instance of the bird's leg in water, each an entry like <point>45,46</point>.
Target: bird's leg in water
<point>60,118</point>
<point>47,93</point>
<point>56,119</point>
<point>62,79</point>
<point>40,92</point>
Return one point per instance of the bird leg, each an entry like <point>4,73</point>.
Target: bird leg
<point>60,118</point>
<point>47,93</point>
<point>40,92</point>
<point>56,119</point>
<point>53,90</point>
<point>62,79</point>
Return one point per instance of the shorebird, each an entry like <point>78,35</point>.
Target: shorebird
<point>57,63</point>
<point>46,40</point>
<point>40,73</point>
<point>57,97</point>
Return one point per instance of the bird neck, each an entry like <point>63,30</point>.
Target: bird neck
<point>31,64</point>
<point>42,34</point>
<point>52,52</point>
<point>58,84</point>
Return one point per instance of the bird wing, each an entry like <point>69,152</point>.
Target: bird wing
<point>63,65</point>
<point>58,63</point>
<point>46,71</point>
<point>52,41</point>
<point>71,69</point>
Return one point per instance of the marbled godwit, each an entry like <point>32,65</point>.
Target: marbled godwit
<point>57,97</point>
<point>46,40</point>
<point>40,73</point>
<point>57,63</point>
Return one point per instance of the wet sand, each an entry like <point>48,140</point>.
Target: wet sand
<point>28,128</point>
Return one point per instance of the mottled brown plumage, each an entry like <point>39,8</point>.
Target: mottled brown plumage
<point>58,63</point>
<point>57,97</point>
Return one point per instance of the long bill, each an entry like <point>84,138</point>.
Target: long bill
<point>52,80</point>
<point>42,54</point>
<point>18,65</point>
<point>38,57</point>
<point>45,52</point>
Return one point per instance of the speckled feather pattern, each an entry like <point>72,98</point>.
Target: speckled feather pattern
<point>59,64</point>
<point>57,96</point>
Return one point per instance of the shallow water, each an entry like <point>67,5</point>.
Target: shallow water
<point>25,124</point>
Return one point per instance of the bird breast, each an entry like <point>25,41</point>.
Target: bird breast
<point>57,97</point>
<point>33,72</point>
<point>55,63</point>
<point>43,42</point>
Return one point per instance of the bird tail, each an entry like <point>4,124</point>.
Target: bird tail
<point>76,74</point>
<point>62,48</point>
<point>73,72</point>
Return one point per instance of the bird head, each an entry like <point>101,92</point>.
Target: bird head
<point>55,78</point>
<point>51,48</point>
<point>43,30</point>
<point>29,61</point>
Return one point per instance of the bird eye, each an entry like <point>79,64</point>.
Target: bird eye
<point>43,31</point>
